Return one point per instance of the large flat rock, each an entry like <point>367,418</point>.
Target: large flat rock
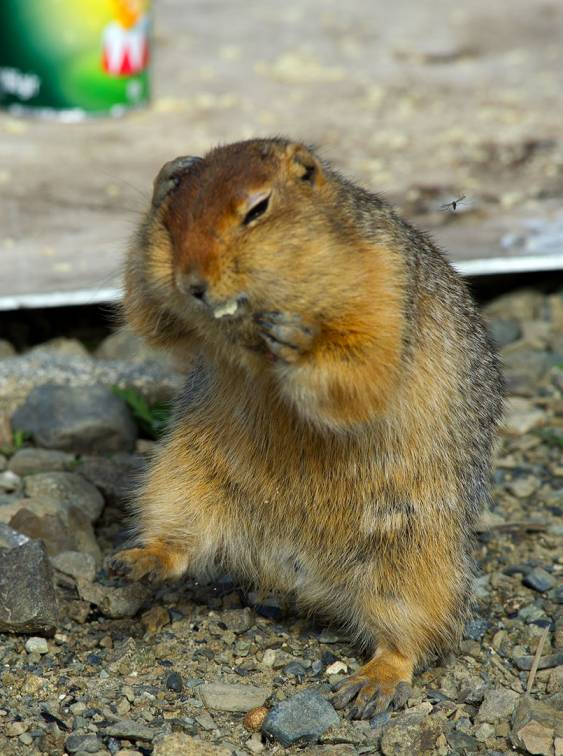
<point>27,596</point>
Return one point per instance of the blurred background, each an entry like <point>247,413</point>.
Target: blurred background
<point>422,102</point>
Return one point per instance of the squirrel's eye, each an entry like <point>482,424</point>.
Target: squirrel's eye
<point>256,211</point>
<point>309,174</point>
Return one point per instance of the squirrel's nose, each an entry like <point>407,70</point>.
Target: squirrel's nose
<point>198,290</point>
<point>193,284</point>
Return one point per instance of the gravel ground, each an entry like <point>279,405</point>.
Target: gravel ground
<point>90,665</point>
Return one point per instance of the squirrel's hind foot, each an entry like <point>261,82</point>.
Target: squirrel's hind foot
<point>384,682</point>
<point>157,562</point>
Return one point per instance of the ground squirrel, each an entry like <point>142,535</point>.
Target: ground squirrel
<point>334,437</point>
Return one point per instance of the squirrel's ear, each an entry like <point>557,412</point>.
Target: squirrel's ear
<point>303,165</point>
<point>170,175</point>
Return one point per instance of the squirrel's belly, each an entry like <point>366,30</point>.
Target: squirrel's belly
<point>272,565</point>
<point>283,571</point>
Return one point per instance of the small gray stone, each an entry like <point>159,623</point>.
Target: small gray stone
<point>531,613</point>
<point>123,601</point>
<point>69,489</point>
<point>6,349</point>
<point>10,538</point>
<point>522,304</point>
<point>462,742</point>
<point>301,719</point>
<point>412,733</point>
<point>484,732</point>
<point>9,505</point>
<point>521,416</point>
<point>30,461</point>
<point>125,345</point>
<point>59,526</point>
<point>174,682</point>
<point>206,721</point>
<point>76,564</point>
<point>180,744</point>
<point>471,690</point>
<point>128,728</point>
<point>83,420</point>
<point>116,478</point>
<point>523,487</point>
<point>36,646</point>
<point>504,331</point>
<point>547,661</point>
<point>380,720</point>
<point>20,375</point>
<point>9,482</point>
<point>279,659</point>
<point>539,580</point>
<point>476,629</point>
<point>27,597</point>
<point>16,729</point>
<point>232,697</point>
<point>239,620</point>
<point>296,669</point>
<point>529,364</point>
<point>535,725</point>
<point>63,347</point>
<point>83,743</point>
<point>498,704</point>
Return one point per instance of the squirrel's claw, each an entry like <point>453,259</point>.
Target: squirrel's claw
<point>372,697</point>
<point>135,564</point>
<point>285,334</point>
<point>347,689</point>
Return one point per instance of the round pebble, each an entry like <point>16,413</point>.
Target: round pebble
<point>36,646</point>
<point>539,580</point>
<point>254,719</point>
<point>174,682</point>
<point>296,669</point>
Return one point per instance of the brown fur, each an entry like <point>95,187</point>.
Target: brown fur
<point>334,439</point>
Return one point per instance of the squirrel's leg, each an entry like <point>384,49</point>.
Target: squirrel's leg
<point>417,607</point>
<point>177,516</point>
<point>158,560</point>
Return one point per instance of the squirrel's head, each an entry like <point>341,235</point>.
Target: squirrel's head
<point>250,224</point>
<point>254,226</point>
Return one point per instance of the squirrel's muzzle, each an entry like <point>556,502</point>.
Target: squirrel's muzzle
<point>192,284</point>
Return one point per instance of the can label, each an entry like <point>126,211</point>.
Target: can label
<point>74,56</point>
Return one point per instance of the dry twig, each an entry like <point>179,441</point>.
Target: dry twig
<point>537,657</point>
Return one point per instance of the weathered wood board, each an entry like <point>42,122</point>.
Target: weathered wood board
<point>421,101</point>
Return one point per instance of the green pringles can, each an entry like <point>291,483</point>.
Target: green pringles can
<point>74,58</point>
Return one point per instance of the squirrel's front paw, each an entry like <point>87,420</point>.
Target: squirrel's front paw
<point>286,335</point>
<point>157,562</point>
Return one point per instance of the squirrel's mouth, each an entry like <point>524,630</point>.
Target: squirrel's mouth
<point>230,308</point>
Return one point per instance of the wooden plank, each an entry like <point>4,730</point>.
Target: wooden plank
<point>403,107</point>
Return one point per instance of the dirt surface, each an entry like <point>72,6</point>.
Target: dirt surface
<point>424,102</point>
<point>123,668</point>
